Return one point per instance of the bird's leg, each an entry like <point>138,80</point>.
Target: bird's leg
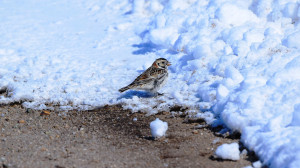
<point>155,93</point>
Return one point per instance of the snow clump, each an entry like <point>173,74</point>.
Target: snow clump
<point>228,151</point>
<point>158,128</point>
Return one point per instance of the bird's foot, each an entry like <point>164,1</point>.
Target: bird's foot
<point>158,94</point>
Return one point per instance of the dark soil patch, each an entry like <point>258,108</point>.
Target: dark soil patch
<point>105,137</point>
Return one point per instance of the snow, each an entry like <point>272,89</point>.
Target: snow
<point>228,151</point>
<point>158,128</point>
<point>257,164</point>
<point>234,63</point>
<point>234,15</point>
<point>292,40</point>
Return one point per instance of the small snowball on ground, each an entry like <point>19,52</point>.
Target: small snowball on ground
<point>228,151</point>
<point>158,128</point>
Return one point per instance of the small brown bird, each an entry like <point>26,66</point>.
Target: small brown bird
<point>152,79</point>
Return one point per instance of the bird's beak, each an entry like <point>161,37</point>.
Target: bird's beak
<point>169,63</point>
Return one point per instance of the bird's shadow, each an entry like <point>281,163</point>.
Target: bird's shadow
<point>130,94</point>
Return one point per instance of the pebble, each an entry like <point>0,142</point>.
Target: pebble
<point>195,132</point>
<point>21,121</point>
<point>29,110</point>
<point>199,126</point>
<point>166,113</point>
<point>216,141</point>
<point>244,152</point>
<point>45,112</point>
<point>44,149</point>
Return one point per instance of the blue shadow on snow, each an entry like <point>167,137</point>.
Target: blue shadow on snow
<point>129,94</point>
<point>144,48</point>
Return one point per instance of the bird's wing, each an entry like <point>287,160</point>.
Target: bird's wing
<point>151,74</point>
<point>146,75</point>
<point>156,73</point>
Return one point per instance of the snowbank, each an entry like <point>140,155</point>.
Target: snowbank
<point>244,58</point>
<point>237,60</point>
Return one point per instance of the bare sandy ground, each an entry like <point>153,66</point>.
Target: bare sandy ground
<point>106,137</point>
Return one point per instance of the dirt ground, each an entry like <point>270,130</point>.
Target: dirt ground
<point>106,137</point>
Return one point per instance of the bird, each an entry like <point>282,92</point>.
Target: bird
<point>152,79</point>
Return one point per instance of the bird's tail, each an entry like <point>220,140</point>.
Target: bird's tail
<point>124,89</point>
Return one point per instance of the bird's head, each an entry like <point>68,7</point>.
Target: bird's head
<point>161,63</point>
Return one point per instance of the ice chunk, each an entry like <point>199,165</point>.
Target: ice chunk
<point>234,74</point>
<point>222,92</point>
<point>228,151</point>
